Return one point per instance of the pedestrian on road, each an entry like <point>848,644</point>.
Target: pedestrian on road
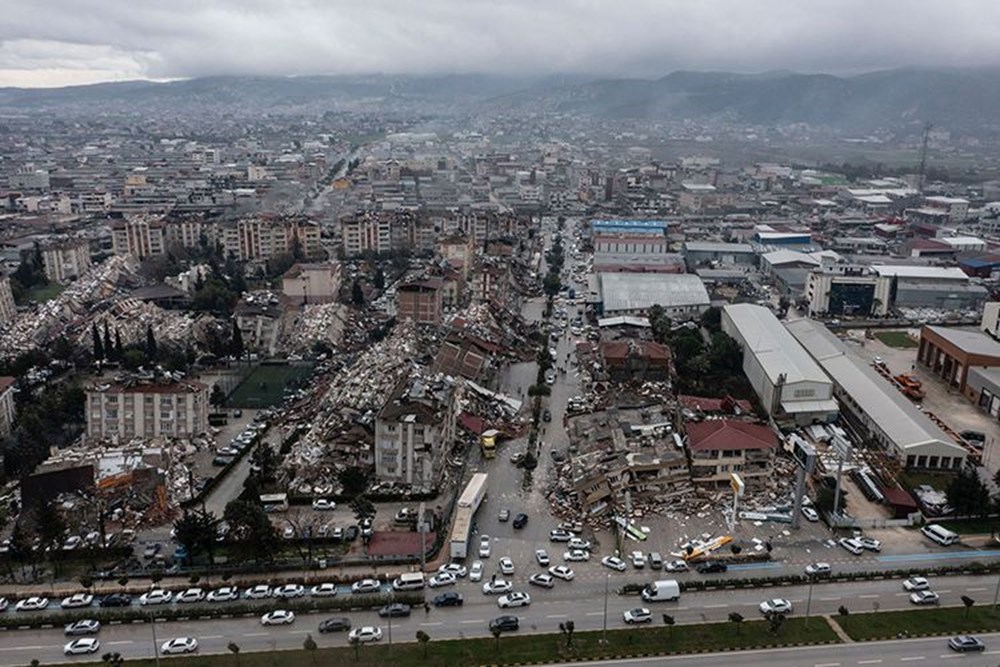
<point>427,608</point>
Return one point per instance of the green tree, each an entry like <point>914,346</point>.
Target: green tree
<point>234,648</point>
<point>264,463</point>
<point>51,525</point>
<point>310,645</point>
<point>774,622</point>
<point>379,280</point>
<point>353,481</point>
<point>496,632</point>
<point>119,350</point>
<point>236,341</point>
<point>737,620</point>
<point>567,629</point>
<point>151,348</point>
<point>218,396</point>
<point>968,494</point>
<point>423,638</point>
<point>968,602</point>
<point>357,295</point>
<point>251,526</point>
<point>725,355</point>
<point>62,348</point>
<point>363,508</point>
<point>669,621</point>
<point>711,319</point>
<point>196,532</point>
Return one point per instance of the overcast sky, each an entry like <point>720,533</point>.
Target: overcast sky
<point>60,42</point>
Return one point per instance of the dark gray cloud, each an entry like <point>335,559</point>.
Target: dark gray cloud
<point>56,42</point>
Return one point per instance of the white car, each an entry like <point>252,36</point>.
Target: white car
<point>852,545</point>
<point>497,587</point>
<point>776,606</point>
<point>484,546</point>
<point>179,645</point>
<point>870,543</point>
<point>456,569</point>
<point>3,604</point>
<point>155,596</point>
<point>366,586</point>
<point>258,592</point>
<point>638,560</point>
<point>818,569</point>
<point>85,626</point>
<point>562,572</point>
<point>560,535</point>
<point>441,579</point>
<point>224,594</point>
<point>327,590</point>
<point>476,571</point>
<point>576,556</point>
<point>289,591</point>
<point>77,600</point>
<point>32,604</point>
<point>190,595</point>
<point>542,557</point>
<point>916,584</point>
<point>637,615</point>
<point>542,579</point>
<point>614,563</point>
<point>925,597</point>
<point>810,514</point>
<point>82,646</point>
<point>506,565</point>
<point>676,566</point>
<point>364,635</point>
<point>578,543</point>
<point>278,617</point>
<point>513,600</point>
<point>322,505</point>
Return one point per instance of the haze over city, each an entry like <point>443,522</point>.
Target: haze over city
<point>66,42</point>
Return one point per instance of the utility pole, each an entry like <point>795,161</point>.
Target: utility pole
<point>156,645</point>
<point>809,599</point>
<point>604,632</point>
<point>422,525</point>
<point>922,172</point>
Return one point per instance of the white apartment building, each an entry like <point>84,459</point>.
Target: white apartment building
<point>147,410</point>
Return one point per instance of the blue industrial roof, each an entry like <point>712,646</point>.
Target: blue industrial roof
<point>633,225</point>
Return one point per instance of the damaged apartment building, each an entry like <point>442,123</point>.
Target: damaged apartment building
<point>414,431</point>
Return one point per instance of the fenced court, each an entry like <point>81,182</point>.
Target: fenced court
<point>266,384</point>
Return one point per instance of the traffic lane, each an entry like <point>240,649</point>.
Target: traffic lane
<point>928,651</point>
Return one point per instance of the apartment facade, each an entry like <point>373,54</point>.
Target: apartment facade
<point>420,301</point>
<point>66,261</point>
<point>147,409</point>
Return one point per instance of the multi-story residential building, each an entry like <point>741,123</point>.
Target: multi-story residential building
<point>141,237</point>
<point>147,409</point>
<point>420,301</point>
<point>7,409</point>
<point>260,238</point>
<point>66,260</point>
<point>415,430</point>
<point>366,233</point>
<point>312,283</point>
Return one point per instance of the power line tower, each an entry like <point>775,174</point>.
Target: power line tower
<point>921,174</point>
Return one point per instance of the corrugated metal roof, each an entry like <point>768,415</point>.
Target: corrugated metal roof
<point>773,346</point>
<point>639,291</point>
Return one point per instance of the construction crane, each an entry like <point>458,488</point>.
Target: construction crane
<point>922,172</point>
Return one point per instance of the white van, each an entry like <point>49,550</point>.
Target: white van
<point>410,581</point>
<point>663,590</point>
<point>942,536</point>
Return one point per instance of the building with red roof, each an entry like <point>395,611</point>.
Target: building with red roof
<point>720,447</point>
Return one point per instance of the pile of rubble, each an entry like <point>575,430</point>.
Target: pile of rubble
<point>131,318</point>
<point>354,397</point>
<point>114,277</point>
<point>317,323</point>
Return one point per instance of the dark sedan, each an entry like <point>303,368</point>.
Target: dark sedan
<point>395,610</point>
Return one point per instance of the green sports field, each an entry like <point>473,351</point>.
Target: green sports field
<point>265,386</point>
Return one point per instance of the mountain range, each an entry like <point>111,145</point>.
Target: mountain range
<point>961,100</point>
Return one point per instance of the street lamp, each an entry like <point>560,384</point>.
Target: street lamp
<point>390,620</point>
<point>604,634</point>
<point>156,645</point>
<point>809,598</point>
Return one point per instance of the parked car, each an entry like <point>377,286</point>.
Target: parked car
<point>576,556</point>
<point>278,617</point>
<point>456,569</point>
<point>506,565</point>
<point>676,566</point>
<point>366,586</point>
<point>476,571</point>
<point>504,623</point>
<point>224,594</point>
<point>116,600</point>
<point>852,545</point>
<point>579,543</point>
<point>542,557</point>
<point>614,563</point>
<point>776,606</point>
<point>542,580</point>
<point>326,590</point>
<point>520,521</point>
<point>365,635</point>
<point>711,567</point>
<point>504,514</point>
<point>810,514</point>
<point>560,535</point>
<point>637,615</point>
<point>323,505</point>
<point>562,572</point>
<point>190,595</point>
<point>289,591</point>
<point>77,600</point>
<point>818,569</point>
<point>258,592</point>
<point>638,560</point>
<point>335,624</point>
<point>82,646</point>
<point>155,597</point>
<point>916,584</point>
<point>870,543</point>
<point>484,546</point>
<point>179,645</point>
<point>515,599</point>
<point>449,599</point>
<point>85,626</point>
<point>546,415</point>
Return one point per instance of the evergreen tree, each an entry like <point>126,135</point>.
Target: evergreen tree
<point>150,343</point>
<point>236,341</point>
<point>357,296</point>
<point>109,348</point>
<point>119,350</point>
<point>98,345</point>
